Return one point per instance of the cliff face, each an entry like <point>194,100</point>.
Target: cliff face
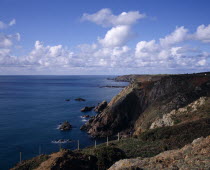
<point>137,106</point>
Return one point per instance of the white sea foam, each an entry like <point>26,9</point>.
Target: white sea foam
<point>61,141</point>
<point>58,127</point>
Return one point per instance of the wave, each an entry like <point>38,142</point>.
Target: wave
<point>61,141</point>
<point>58,127</point>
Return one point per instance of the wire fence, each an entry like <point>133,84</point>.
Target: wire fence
<point>75,145</point>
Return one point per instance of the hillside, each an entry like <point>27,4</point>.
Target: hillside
<point>192,156</point>
<point>155,118</point>
<point>141,103</point>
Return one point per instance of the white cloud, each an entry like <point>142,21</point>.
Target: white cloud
<point>144,48</point>
<point>203,33</point>
<point>106,18</point>
<point>179,35</point>
<point>13,22</point>
<point>4,25</point>
<point>117,36</point>
<point>49,55</point>
<point>7,40</point>
<point>111,51</point>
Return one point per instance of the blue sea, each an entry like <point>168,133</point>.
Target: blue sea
<point>32,107</point>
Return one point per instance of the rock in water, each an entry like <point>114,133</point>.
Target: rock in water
<point>85,116</point>
<point>65,126</point>
<point>101,106</point>
<point>80,99</point>
<point>87,109</point>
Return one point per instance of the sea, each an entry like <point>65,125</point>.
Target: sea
<point>32,107</point>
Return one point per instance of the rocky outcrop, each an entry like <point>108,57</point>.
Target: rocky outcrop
<point>85,116</point>
<point>170,119</point>
<point>137,106</point>
<point>87,109</point>
<point>101,106</point>
<point>80,99</point>
<point>192,156</point>
<point>65,126</point>
<point>112,86</point>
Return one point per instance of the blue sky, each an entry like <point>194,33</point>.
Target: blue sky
<point>104,37</point>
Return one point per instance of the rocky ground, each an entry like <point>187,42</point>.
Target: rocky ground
<point>63,160</point>
<point>192,156</point>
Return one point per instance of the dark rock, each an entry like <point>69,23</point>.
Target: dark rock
<point>112,86</point>
<point>67,100</point>
<point>85,116</point>
<point>139,104</point>
<point>65,126</point>
<point>87,109</point>
<point>101,106</point>
<point>80,99</point>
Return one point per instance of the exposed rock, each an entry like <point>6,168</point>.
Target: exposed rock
<point>168,120</point>
<point>101,106</point>
<point>80,99</point>
<point>85,116</point>
<point>63,160</point>
<point>87,109</point>
<point>191,156</point>
<point>65,126</point>
<point>138,105</point>
<point>112,86</point>
<point>31,164</point>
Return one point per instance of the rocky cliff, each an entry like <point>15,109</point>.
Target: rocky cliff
<point>145,100</point>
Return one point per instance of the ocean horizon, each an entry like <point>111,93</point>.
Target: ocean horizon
<point>33,106</point>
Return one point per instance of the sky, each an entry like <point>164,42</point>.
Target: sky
<point>104,37</point>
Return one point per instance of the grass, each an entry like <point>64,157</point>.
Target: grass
<point>32,163</point>
<point>154,141</point>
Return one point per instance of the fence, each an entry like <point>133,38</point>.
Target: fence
<point>77,145</point>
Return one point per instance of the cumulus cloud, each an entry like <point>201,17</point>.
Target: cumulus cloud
<point>117,36</point>
<point>111,52</point>
<point>106,18</point>
<point>49,55</point>
<point>7,40</point>
<point>144,48</point>
<point>203,33</point>
<point>4,25</point>
<point>178,35</point>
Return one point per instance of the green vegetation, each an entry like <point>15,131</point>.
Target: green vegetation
<point>154,141</point>
<point>32,163</point>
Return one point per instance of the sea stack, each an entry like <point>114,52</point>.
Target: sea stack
<point>65,126</point>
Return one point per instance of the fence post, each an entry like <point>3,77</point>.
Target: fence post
<point>20,157</point>
<point>118,136</point>
<point>78,145</point>
<point>95,143</point>
<point>107,143</point>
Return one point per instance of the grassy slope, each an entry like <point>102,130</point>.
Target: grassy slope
<point>154,141</point>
